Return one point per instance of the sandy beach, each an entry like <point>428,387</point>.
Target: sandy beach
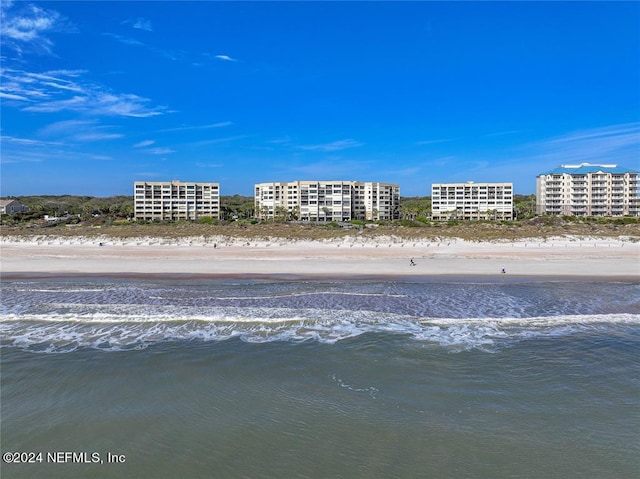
<point>346,257</point>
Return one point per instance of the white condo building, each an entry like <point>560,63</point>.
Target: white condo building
<point>323,201</point>
<point>588,190</point>
<point>472,201</point>
<point>175,200</point>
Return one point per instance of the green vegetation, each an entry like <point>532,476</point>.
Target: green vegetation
<point>236,207</point>
<point>113,216</point>
<point>67,205</point>
<point>415,208</point>
<point>92,210</point>
<point>525,206</point>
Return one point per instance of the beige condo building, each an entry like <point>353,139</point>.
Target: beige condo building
<point>175,200</point>
<point>323,201</point>
<point>587,189</point>
<point>472,201</point>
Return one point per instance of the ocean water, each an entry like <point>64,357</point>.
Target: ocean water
<point>437,378</point>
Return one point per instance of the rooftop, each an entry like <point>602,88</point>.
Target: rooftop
<point>584,168</point>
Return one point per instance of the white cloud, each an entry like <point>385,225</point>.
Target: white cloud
<point>125,40</point>
<point>21,157</point>
<point>77,103</point>
<point>503,133</point>
<point>123,104</point>
<point>27,150</point>
<point>160,151</point>
<point>610,144</point>
<point>28,25</point>
<point>62,90</point>
<point>143,24</point>
<point>333,146</point>
<point>62,86</point>
<point>37,153</point>
<point>56,75</point>
<point>280,141</point>
<point>144,143</point>
<point>614,135</point>
<point>170,54</point>
<point>225,58</point>
<point>79,131</point>
<point>66,128</point>
<point>219,124</point>
<point>97,136</point>
<point>431,142</point>
<point>139,24</point>
<point>28,141</point>
<point>521,163</point>
<point>218,140</point>
<point>11,96</point>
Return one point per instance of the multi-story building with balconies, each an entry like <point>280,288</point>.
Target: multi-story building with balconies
<point>175,200</point>
<point>588,190</point>
<point>472,201</point>
<point>323,201</point>
<point>376,201</point>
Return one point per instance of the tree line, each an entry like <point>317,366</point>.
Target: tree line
<point>419,208</point>
<point>235,207</point>
<point>111,208</point>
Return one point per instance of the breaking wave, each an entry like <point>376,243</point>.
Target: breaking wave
<point>66,332</point>
<point>111,315</point>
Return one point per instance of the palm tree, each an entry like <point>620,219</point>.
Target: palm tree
<point>280,213</point>
<point>326,211</point>
<point>294,213</point>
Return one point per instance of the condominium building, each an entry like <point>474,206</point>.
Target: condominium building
<point>175,200</point>
<point>472,201</point>
<point>588,190</point>
<point>322,201</point>
<point>376,201</point>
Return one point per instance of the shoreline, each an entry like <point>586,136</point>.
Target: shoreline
<point>284,277</point>
<point>351,259</point>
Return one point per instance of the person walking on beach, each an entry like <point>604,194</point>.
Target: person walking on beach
<point>412,263</point>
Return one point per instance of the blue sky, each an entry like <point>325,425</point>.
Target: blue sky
<point>97,95</point>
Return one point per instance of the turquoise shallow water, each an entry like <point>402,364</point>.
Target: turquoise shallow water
<point>303,379</point>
